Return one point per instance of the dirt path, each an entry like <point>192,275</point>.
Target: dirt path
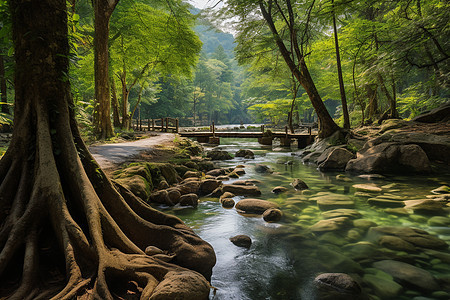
<point>109,156</point>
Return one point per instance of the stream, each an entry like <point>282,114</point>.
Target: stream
<point>285,257</point>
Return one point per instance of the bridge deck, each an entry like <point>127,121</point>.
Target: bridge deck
<point>230,134</point>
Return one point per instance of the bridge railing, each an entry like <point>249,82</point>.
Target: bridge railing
<point>161,124</point>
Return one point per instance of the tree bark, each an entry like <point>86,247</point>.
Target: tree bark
<point>372,107</point>
<point>3,87</point>
<point>339,69</point>
<point>115,104</point>
<point>102,115</point>
<point>66,230</point>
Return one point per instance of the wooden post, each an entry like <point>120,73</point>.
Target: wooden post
<point>148,124</point>
<point>140,125</point>
<point>153,124</point>
<point>262,128</point>
<point>167,124</point>
<point>177,124</point>
<point>309,130</point>
<point>213,129</point>
<point>162,124</point>
<point>286,130</point>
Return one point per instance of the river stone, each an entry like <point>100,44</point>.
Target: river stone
<point>239,171</point>
<point>408,273</point>
<point>279,190</point>
<point>254,206</point>
<point>337,159</point>
<point>161,197</point>
<point>367,187</point>
<point>189,200</point>
<point>336,262</point>
<point>439,221</point>
<point>259,168</point>
<point>188,187</point>
<point>241,190</point>
<point>218,155</point>
<point>208,186</point>
<point>332,224</point>
<point>342,212</point>
<point>361,251</point>
<point>382,287</point>
<point>342,177</point>
<point>441,190</point>
<point>417,237</point>
<point>329,201</point>
<point>242,241</point>
<point>397,211</point>
<point>245,153</point>
<point>226,195</point>
<point>240,182</point>
<point>385,202</point>
<point>137,185</point>
<point>216,172</point>
<point>186,285</point>
<point>332,237</point>
<point>396,243</point>
<point>163,185</point>
<point>190,174</point>
<point>427,206</point>
<point>299,184</point>
<point>364,224</point>
<point>227,202</point>
<point>272,215</point>
<point>337,286</point>
<point>174,195</point>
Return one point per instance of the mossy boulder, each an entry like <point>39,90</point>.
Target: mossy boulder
<point>137,184</point>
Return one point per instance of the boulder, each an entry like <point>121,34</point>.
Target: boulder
<point>440,114</point>
<point>279,190</point>
<point>343,212</point>
<point>163,185</point>
<point>216,172</point>
<point>383,287</point>
<point>239,171</point>
<point>364,224</point>
<point>218,155</point>
<point>226,195</point>
<point>186,285</point>
<point>439,221</point>
<point>168,172</point>
<point>337,159</point>
<point>242,190</point>
<point>227,202</point>
<point>189,187</point>
<point>385,202</point>
<point>254,206</point>
<point>189,174</point>
<point>427,206</point>
<point>174,195</point>
<point>272,215</point>
<point>262,169</point>
<point>137,185</point>
<point>330,201</point>
<point>337,286</point>
<point>242,241</point>
<point>390,158</point>
<point>410,274</point>
<point>189,200</point>
<point>208,186</point>
<point>332,224</point>
<point>161,197</point>
<point>245,153</point>
<point>396,243</point>
<point>299,185</point>
<point>333,261</point>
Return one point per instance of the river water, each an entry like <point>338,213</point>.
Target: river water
<point>285,257</point>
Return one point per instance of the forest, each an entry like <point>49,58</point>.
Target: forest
<point>371,76</point>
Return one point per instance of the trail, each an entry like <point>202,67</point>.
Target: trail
<point>110,156</point>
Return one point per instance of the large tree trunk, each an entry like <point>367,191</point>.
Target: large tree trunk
<point>65,229</point>
<point>102,115</point>
<point>341,79</point>
<point>3,88</point>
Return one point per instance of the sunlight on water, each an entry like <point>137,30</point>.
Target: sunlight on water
<point>283,259</point>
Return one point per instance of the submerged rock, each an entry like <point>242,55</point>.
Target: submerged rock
<point>332,224</point>
<point>254,206</point>
<point>385,288</point>
<point>371,188</point>
<point>259,168</point>
<point>218,155</point>
<point>337,286</point>
<point>396,243</point>
<point>342,212</point>
<point>272,215</point>
<point>242,241</point>
<point>242,190</point>
<point>245,153</point>
<point>408,273</point>
<point>299,185</point>
<point>279,190</point>
<point>330,201</point>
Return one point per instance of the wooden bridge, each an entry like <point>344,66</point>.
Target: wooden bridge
<point>264,137</point>
<point>161,124</point>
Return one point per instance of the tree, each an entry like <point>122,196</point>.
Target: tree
<point>290,33</point>
<point>103,10</point>
<point>66,229</point>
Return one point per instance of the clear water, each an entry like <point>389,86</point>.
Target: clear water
<point>283,259</point>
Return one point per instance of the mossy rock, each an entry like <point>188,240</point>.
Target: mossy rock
<point>137,184</point>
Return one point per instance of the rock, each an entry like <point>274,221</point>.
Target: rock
<point>441,190</point>
<point>383,287</point>
<point>152,250</point>
<point>417,237</point>
<point>254,206</point>
<point>361,251</point>
<point>334,261</point>
<point>189,187</point>
<point>216,172</point>
<point>332,224</point>
<point>343,212</point>
<point>137,185</point>
<point>241,190</point>
<point>226,195</point>
<point>427,206</point>
<point>385,202</point>
<point>342,177</point>
<point>186,285</point>
<point>337,286</point>
<point>239,171</point>
<point>189,174</point>
<point>262,169</point>
<point>364,224</point>
<point>189,200</point>
<point>208,186</point>
<point>440,114</point>
<point>168,172</point>
<point>242,241</point>
<point>218,155</point>
<point>397,211</point>
<point>227,202</point>
<point>330,201</point>
<point>390,124</point>
<point>161,197</point>
<point>174,195</point>
<point>439,221</point>
<point>371,176</point>
<point>279,190</point>
<point>408,273</point>
<point>205,165</point>
<point>163,185</point>
<point>245,153</point>
<point>337,159</point>
<point>396,243</point>
<point>272,215</point>
<point>216,193</point>
<point>371,188</point>
<point>299,185</point>
<point>390,158</point>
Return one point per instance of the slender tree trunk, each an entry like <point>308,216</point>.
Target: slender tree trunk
<point>3,87</point>
<point>102,115</point>
<point>115,104</point>
<point>392,103</point>
<point>373,102</point>
<point>339,69</point>
<point>125,94</point>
